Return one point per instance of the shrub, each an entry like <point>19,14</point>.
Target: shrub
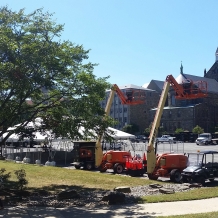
<point>21,176</point>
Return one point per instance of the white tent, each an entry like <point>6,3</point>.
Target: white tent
<point>118,134</point>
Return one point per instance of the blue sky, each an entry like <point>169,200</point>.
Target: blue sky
<point>137,41</point>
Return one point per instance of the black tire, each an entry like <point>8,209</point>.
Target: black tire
<point>102,168</point>
<point>175,176</point>
<point>88,166</point>
<point>118,168</point>
<point>206,143</point>
<point>201,180</point>
<point>152,177</point>
<point>77,167</point>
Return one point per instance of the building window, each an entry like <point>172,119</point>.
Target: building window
<point>125,119</point>
<point>125,109</point>
<point>120,110</point>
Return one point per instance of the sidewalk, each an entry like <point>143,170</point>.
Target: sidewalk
<point>116,211</point>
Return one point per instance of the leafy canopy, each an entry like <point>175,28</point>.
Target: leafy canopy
<point>197,129</point>
<point>42,76</point>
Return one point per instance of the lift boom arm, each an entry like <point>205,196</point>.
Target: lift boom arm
<point>128,99</point>
<point>151,155</point>
<point>188,90</point>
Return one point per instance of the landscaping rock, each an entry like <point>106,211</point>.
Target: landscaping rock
<point>114,197</point>
<point>68,194</point>
<point>123,189</point>
<point>167,190</point>
<point>195,185</point>
<point>155,185</point>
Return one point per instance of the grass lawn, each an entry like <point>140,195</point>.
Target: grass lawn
<point>57,178</point>
<point>199,215</point>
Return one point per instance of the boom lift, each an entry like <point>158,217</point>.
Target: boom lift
<point>90,154</point>
<point>187,90</point>
<point>129,97</point>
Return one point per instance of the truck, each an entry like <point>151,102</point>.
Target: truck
<point>84,155</point>
<point>170,165</point>
<point>204,139</point>
<point>166,138</point>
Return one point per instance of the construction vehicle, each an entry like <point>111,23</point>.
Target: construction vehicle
<point>116,159</point>
<point>136,166</point>
<point>167,164</point>
<point>89,155</point>
<point>84,155</point>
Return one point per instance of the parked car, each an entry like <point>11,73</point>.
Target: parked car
<point>202,166</point>
<point>139,139</point>
<point>142,138</point>
<point>166,138</point>
<point>204,139</point>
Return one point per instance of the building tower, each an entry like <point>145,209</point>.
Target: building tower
<point>216,55</point>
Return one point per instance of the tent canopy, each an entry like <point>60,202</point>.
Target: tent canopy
<point>118,134</point>
<point>115,133</point>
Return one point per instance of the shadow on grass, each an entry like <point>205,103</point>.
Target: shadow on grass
<point>122,210</point>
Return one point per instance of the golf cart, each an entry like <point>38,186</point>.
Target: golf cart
<point>202,166</point>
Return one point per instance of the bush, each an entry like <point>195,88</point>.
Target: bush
<point>21,176</point>
<point>4,177</point>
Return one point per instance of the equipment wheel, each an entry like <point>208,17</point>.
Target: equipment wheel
<point>88,166</point>
<point>175,176</point>
<point>77,167</point>
<point>201,180</point>
<point>152,177</point>
<point>118,168</point>
<point>102,168</point>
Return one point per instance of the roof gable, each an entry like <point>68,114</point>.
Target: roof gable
<point>212,84</point>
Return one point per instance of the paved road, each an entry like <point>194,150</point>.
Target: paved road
<point>116,211</point>
<point>179,147</point>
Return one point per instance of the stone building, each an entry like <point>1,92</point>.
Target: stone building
<point>132,114</point>
<point>186,114</point>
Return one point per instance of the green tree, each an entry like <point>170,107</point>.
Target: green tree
<point>42,76</point>
<point>148,130</point>
<point>178,130</point>
<point>198,130</point>
<point>131,128</point>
